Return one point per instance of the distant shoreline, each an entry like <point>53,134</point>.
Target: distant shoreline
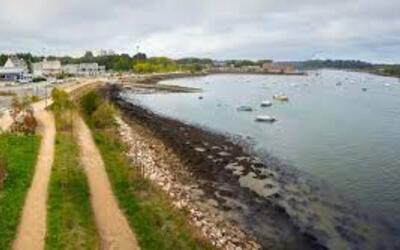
<point>259,73</point>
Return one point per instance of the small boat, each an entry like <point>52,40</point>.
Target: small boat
<point>265,118</point>
<point>266,104</point>
<point>281,97</point>
<point>339,84</point>
<point>200,97</point>
<point>364,89</point>
<point>245,108</point>
<point>387,84</point>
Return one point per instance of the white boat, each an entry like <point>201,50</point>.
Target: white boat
<point>265,118</point>
<point>387,84</point>
<point>266,104</point>
<point>281,97</point>
<point>245,108</point>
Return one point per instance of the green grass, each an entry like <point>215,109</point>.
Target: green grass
<point>149,211</point>
<point>21,153</point>
<point>70,222</point>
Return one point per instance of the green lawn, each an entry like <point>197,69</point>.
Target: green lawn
<point>21,153</point>
<point>70,222</point>
<point>149,211</point>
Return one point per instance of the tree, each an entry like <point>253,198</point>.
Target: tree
<point>140,57</point>
<point>88,57</point>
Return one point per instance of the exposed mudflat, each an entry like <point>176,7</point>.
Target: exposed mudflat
<point>259,195</point>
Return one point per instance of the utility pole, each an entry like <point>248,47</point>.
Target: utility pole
<point>45,92</point>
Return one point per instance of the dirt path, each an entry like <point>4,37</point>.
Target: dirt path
<point>5,121</point>
<point>32,228</point>
<point>113,227</point>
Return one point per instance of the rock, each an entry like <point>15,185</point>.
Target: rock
<point>199,149</point>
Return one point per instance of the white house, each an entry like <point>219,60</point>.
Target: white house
<point>47,68</point>
<point>14,69</point>
<point>84,69</point>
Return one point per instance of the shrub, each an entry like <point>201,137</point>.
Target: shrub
<point>61,101</point>
<point>90,102</point>
<point>35,98</point>
<point>38,79</point>
<point>22,114</point>
<point>103,117</point>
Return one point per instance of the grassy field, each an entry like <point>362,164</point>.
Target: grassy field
<point>156,223</point>
<point>70,222</point>
<point>20,153</point>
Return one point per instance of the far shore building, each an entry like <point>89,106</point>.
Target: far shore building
<point>276,67</point>
<point>15,69</point>
<point>84,69</point>
<point>47,68</point>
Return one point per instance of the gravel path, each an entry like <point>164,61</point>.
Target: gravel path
<point>32,228</point>
<point>113,227</point>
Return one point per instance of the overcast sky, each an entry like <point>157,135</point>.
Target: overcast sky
<point>254,29</point>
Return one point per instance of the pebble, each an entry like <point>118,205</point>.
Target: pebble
<point>220,233</point>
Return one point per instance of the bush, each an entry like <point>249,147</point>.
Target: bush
<point>103,117</point>
<point>38,79</point>
<point>23,117</point>
<point>35,98</point>
<point>61,101</point>
<point>90,102</point>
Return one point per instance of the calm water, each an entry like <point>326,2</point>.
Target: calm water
<point>343,135</point>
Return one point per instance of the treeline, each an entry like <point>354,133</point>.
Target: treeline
<point>390,70</point>
<point>334,64</point>
<point>122,62</point>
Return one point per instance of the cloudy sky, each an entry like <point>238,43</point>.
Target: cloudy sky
<point>253,29</point>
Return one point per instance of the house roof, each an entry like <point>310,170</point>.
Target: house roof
<point>15,62</point>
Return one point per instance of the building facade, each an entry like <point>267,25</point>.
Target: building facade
<point>278,67</point>
<point>15,69</point>
<point>84,69</point>
<point>47,68</point>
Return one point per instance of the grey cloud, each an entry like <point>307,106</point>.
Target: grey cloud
<point>361,29</point>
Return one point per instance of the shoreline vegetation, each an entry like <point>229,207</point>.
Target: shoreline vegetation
<point>18,156</point>
<point>70,220</point>
<point>156,223</point>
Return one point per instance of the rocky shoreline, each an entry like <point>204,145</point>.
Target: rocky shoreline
<point>233,196</point>
<point>163,168</point>
<point>226,177</point>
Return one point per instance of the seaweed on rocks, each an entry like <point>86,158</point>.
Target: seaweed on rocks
<point>259,198</point>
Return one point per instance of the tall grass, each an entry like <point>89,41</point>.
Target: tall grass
<point>70,222</point>
<point>21,154</point>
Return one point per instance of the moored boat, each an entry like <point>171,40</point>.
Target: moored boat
<point>281,97</point>
<point>245,108</point>
<point>266,104</point>
<point>265,118</point>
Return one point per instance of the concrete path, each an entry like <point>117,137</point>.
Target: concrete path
<point>32,228</point>
<point>113,227</point>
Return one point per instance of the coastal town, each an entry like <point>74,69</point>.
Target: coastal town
<point>16,70</point>
<point>199,125</point>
